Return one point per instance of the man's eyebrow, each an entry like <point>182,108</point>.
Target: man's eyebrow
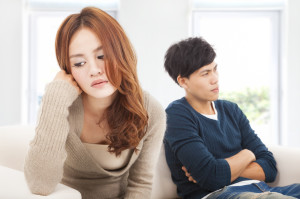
<point>81,55</point>
<point>208,70</point>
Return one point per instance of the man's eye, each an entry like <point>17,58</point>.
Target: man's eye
<point>100,57</point>
<point>79,64</point>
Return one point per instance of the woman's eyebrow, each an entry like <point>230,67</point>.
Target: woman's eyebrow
<point>76,55</point>
<point>81,55</point>
<point>97,49</point>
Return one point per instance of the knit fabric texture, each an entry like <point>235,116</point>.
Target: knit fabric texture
<point>57,154</point>
<point>202,144</point>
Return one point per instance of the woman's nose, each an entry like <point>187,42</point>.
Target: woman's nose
<point>95,69</point>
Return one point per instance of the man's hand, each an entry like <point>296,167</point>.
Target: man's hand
<point>239,162</point>
<point>62,75</point>
<point>188,175</point>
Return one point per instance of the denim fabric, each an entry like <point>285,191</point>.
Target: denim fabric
<point>257,191</point>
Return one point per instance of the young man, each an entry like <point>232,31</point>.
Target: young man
<point>210,147</point>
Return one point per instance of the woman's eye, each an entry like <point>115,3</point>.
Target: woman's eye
<point>100,57</point>
<point>79,64</point>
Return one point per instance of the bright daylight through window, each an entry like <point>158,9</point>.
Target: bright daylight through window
<point>247,47</point>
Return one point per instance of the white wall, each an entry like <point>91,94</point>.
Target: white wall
<point>292,76</point>
<point>152,27</point>
<point>10,61</point>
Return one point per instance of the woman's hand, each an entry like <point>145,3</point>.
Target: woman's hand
<point>62,75</point>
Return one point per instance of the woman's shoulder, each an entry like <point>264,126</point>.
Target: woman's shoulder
<point>151,104</point>
<point>155,110</point>
<point>156,118</point>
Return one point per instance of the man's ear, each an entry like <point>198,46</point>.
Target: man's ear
<point>182,81</point>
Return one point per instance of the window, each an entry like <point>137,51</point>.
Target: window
<point>43,20</point>
<point>247,46</point>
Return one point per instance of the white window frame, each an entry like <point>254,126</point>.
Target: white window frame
<point>255,6</point>
<point>32,10</point>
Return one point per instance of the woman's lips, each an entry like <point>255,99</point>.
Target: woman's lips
<point>98,83</point>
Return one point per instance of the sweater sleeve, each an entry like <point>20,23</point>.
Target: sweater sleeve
<point>45,159</point>
<point>141,173</point>
<point>183,139</point>
<point>252,142</point>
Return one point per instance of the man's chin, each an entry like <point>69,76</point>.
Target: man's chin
<point>215,98</point>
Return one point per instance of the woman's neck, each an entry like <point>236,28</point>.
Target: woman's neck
<point>96,107</point>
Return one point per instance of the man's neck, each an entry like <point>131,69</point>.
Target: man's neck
<point>201,106</point>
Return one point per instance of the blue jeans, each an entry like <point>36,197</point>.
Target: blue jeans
<point>257,191</point>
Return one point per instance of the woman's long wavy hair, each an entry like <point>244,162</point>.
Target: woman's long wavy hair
<point>127,117</point>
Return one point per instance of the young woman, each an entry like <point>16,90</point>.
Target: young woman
<point>97,131</point>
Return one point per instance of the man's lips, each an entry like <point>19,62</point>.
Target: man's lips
<point>98,82</point>
<point>215,90</point>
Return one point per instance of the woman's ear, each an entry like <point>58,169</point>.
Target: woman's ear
<point>181,81</point>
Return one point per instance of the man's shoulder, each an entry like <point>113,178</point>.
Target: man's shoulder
<point>227,108</point>
<point>225,104</point>
<point>177,105</point>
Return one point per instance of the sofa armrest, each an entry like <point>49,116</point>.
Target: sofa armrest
<point>13,186</point>
<point>288,161</point>
<point>14,144</point>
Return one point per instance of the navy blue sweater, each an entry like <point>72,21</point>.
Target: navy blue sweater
<point>202,144</point>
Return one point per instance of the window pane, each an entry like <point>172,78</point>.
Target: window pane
<point>246,44</point>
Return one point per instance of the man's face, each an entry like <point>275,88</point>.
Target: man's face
<point>203,84</point>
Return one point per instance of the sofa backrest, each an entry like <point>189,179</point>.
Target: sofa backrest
<point>163,186</point>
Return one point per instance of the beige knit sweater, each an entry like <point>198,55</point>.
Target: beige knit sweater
<point>57,154</point>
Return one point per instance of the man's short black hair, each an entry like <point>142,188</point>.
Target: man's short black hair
<point>187,56</point>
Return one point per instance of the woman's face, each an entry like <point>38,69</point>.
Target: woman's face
<point>87,64</point>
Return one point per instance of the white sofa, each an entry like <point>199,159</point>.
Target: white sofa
<point>14,142</point>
